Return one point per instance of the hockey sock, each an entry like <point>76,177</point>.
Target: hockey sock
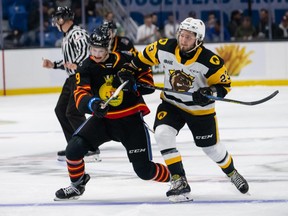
<point>227,164</point>
<point>76,169</point>
<point>162,173</point>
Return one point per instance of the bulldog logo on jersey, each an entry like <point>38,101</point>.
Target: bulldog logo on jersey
<point>180,81</point>
<point>107,90</point>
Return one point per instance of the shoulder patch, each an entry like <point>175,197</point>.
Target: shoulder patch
<point>214,60</point>
<point>163,41</point>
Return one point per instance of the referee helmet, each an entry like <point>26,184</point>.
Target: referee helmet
<point>64,13</point>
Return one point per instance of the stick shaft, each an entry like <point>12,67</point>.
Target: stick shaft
<point>115,94</point>
<point>250,103</point>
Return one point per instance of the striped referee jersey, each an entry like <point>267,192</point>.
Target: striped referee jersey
<point>75,48</point>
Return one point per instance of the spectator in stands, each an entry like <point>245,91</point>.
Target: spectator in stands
<point>91,9</point>
<point>77,8</point>
<point>155,19</point>
<point>210,20</point>
<point>284,26</point>
<point>31,37</point>
<point>213,34</point>
<point>94,8</point>
<point>286,13</point>
<point>234,23</point>
<point>109,17</point>
<point>246,31</point>
<point>12,39</point>
<point>170,27</point>
<point>148,32</point>
<point>265,30</point>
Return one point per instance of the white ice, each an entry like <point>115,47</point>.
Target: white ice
<point>256,136</point>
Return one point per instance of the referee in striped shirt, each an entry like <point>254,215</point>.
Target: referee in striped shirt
<point>75,49</point>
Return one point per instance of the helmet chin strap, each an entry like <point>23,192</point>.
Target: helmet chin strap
<point>60,26</point>
<point>197,44</point>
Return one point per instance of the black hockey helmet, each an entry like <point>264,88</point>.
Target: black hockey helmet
<point>109,25</point>
<point>64,13</point>
<point>99,38</point>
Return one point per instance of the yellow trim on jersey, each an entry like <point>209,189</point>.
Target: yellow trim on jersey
<point>173,160</point>
<point>115,44</point>
<point>192,112</point>
<point>190,61</point>
<point>217,129</point>
<point>151,51</point>
<point>218,77</point>
<point>177,54</point>
<point>117,59</point>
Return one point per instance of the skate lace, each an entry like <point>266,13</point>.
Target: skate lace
<point>237,180</point>
<point>70,190</point>
<point>178,184</point>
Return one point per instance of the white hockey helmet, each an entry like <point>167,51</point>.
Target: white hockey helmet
<point>194,25</point>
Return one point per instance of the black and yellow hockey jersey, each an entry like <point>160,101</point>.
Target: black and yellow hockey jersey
<point>186,73</point>
<point>123,44</point>
<point>95,80</point>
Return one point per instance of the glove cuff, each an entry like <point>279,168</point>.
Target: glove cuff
<point>90,103</point>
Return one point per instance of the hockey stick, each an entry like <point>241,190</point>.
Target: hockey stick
<point>115,94</point>
<point>250,103</point>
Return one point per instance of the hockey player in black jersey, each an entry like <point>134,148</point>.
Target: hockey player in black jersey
<point>188,67</point>
<point>118,43</point>
<point>121,120</point>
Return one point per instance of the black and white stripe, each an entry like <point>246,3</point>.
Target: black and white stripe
<point>75,48</point>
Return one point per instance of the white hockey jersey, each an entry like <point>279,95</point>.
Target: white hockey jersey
<point>201,68</point>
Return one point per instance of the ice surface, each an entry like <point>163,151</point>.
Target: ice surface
<point>256,136</point>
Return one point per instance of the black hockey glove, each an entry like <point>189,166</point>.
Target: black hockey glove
<point>96,107</point>
<point>127,73</point>
<point>199,98</point>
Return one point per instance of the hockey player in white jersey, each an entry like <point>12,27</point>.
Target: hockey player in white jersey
<point>188,67</point>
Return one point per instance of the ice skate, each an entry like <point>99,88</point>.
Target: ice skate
<point>93,156</point>
<point>239,181</point>
<point>73,191</point>
<point>61,155</point>
<point>179,190</point>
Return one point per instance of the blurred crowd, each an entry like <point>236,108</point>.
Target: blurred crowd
<point>22,24</point>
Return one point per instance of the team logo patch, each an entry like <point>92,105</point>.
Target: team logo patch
<point>214,60</point>
<point>180,81</point>
<point>161,115</point>
<point>107,90</point>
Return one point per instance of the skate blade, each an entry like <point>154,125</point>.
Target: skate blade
<point>61,158</point>
<point>71,198</point>
<point>87,159</point>
<point>186,197</point>
<point>92,159</point>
